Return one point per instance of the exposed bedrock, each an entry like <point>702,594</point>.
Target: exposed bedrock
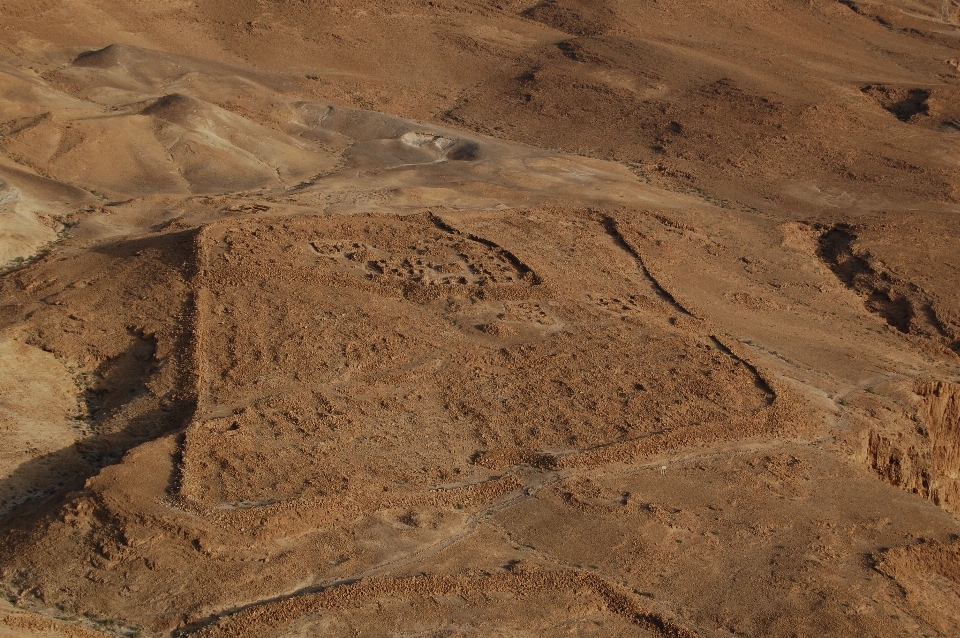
<point>926,459</point>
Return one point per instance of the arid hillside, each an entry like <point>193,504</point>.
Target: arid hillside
<point>572,317</point>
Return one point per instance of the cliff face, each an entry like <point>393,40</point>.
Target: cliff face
<point>925,461</point>
<point>942,416</point>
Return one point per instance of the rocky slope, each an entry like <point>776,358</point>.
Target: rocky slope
<point>532,318</point>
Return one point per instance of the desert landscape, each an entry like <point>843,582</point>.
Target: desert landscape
<point>455,318</point>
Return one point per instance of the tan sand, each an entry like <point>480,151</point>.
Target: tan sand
<point>574,317</point>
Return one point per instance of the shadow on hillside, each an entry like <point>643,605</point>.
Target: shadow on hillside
<point>122,412</point>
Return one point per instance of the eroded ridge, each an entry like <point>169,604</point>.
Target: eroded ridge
<point>902,304</point>
<point>435,603</point>
<point>612,228</point>
<point>762,380</point>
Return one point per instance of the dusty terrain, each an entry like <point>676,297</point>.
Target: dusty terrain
<point>572,317</point>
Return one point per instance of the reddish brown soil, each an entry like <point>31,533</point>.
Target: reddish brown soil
<point>585,317</point>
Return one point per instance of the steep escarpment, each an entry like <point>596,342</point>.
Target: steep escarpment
<point>922,454</point>
<point>942,417</point>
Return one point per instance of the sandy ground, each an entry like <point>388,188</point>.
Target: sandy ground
<point>578,317</point>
